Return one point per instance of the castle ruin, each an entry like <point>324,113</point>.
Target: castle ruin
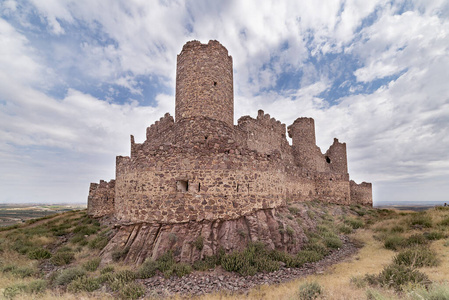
<point>200,166</point>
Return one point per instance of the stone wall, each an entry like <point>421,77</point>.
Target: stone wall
<point>361,193</point>
<point>204,82</point>
<point>305,151</point>
<point>100,201</point>
<point>336,157</point>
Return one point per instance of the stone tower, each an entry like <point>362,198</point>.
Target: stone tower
<point>204,83</point>
<point>302,132</point>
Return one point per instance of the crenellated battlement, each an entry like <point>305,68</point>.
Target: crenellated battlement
<point>160,126</point>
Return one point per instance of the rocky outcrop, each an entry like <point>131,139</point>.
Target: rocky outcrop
<point>192,241</point>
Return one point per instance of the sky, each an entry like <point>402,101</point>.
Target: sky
<point>78,77</point>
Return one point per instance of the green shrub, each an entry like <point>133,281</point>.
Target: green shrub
<point>147,269</point>
<point>99,242</point>
<point>444,222</point>
<point>39,253</point>
<point>23,272</point>
<point>182,269</point>
<point>309,291</point>
<point>199,243</point>
<point>79,239</point>
<point>434,235</point>
<point>125,276</point>
<point>317,246</point>
<point>209,262</point>
<point>107,269</point>
<point>434,292</point>
<point>86,229</point>
<point>394,242</point>
<point>118,254</point>
<point>166,261</point>
<point>290,231</point>
<point>293,210</point>
<point>333,242</point>
<point>417,257</point>
<point>397,276</point>
<point>354,223</point>
<point>345,229</point>
<point>397,229</point>
<point>64,277</point>
<point>62,258</point>
<point>358,281</point>
<point>416,240</point>
<point>92,265</point>
<point>83,284</point>
<point>132,291</point>
<point>420,219</point>
<point>307,256</point>
<point>33,287</point>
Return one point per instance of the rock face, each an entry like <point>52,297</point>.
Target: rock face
<point>192,241</point>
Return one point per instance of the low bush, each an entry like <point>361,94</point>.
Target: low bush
<point>119,254</point>
<point>166,261</point>
<point>344,229</point>
<point>199,243</point>
<point>354,223</point>
<point>132,291</point>
<point>420,219</point>
<point>99,242</point>
<point>62,258</point>
<point>397,229</point>
<point>209,262</point>
<point>306,256</point>
<point>417,257</point>
<point>92,265</point>
<point>394,242</point>
<point>107,269</point>
<point>182,269</point>
<point>147,269</point>
<point>39,253</point>
<point>64,277</point>
<point>79,239</point>
<point>83,284</point>
<point>333,242</point>
<point>434,235</point>
<point>433,292</point>
<point>397,276</point>
<point>86,229</point>
<point>33,287</point>
<point>416,240</point>
<point>309,291</point>
<point>444,222</point>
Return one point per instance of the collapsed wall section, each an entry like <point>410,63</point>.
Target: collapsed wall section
<point>361,193</point>
<point>100,201</point>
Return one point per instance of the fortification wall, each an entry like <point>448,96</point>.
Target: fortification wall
<point>336,157</point>
<point>361,193</point>
<point>204,82</point>
<point>306,153</point>
<point>175,187</point>
<point>100,201</point>
<point>265,135</point>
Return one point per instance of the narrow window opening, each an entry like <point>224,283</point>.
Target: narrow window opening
<point>248,188</point>
<point>215,83</point>
<point>237,187</point>
<point>328,160</point>
<point>227,152</point>
<point>330,179</point>
<point>182,186</point>
<point>268,155</point>
<point>199,187</point>
<point>205,137</point>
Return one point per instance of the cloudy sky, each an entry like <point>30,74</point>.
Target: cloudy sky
<point>78,77</point>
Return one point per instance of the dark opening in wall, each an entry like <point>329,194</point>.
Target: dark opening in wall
<point>237,187</point>
<point>215,83</point>
<point>205,137</point>
<point>182,186</point>
<point>199,187</point>
<point>328,160</point>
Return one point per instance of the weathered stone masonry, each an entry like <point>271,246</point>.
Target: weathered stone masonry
<point>203,167</point>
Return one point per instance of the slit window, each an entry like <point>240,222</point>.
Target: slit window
<point>182,186</point>
<point>199,187</point>
<point>328,160</point>
<point>215,83</point>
